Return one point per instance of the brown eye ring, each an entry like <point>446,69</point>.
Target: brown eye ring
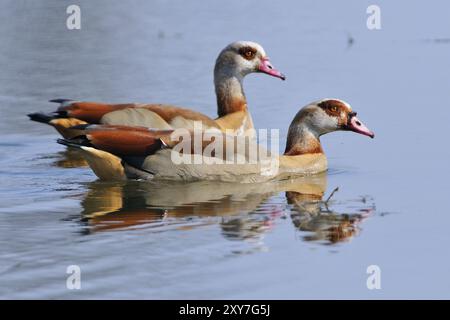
<point>333,108</point>
<point>247,53</point>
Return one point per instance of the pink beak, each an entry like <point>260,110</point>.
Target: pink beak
<point>357,126</point>
<point>266,67</point>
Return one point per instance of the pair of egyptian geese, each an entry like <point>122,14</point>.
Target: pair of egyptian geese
<point>122,141</point>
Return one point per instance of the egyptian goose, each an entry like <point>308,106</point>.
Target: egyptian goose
<point>234,62</point>
<point>120,152</point>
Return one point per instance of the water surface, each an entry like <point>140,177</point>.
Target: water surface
<point>214,240</point>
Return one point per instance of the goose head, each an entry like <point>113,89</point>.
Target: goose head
<point>330,115</point>
<point>319,118</point>
<point>241,58</point>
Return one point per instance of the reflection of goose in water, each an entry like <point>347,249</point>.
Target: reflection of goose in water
<point>110,206</point>
<point>70,158</point>
<point>311,214</point>
<point>243,211</point>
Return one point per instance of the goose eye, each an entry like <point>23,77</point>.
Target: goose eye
<point>249,54</point>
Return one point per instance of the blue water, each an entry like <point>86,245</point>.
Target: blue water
<point>209,240</point>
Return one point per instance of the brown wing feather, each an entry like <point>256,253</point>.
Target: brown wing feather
<point>115,127</point>
<point>126,141</point>
<point>92,112</point>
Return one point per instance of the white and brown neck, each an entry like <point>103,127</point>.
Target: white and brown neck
<point>303,154</point>
<point>302,140</point>
<point>229,90</point>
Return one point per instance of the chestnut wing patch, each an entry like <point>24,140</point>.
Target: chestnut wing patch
<point>125,141</point>
<point>91,112</point>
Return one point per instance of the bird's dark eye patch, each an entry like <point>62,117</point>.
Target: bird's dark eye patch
<point>332,107</point>
<point>247,52</point>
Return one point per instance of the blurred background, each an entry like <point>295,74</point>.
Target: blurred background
<point>138,240</point>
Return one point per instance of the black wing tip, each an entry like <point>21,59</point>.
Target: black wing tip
<point>67,142</point>
<point>75,142</point>
<point>40,117</point>
<point>60,100</point>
